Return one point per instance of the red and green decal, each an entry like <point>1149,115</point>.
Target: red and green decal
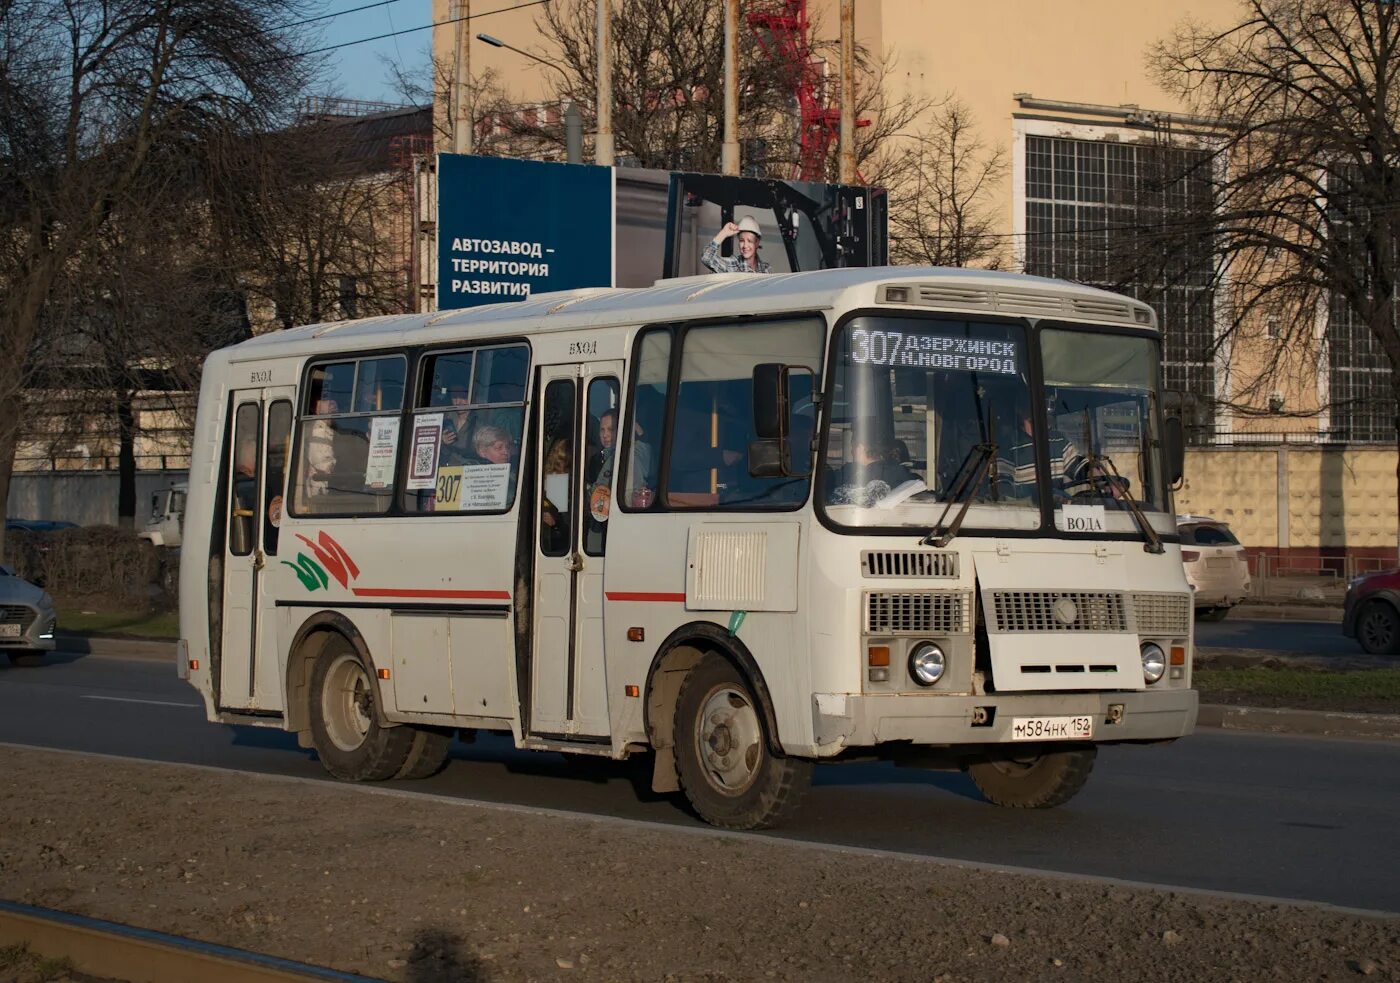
<point>331,556</point>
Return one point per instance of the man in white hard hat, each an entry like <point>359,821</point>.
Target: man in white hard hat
<point>745,258</point>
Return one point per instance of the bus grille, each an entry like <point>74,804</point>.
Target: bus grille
<point>1162,614</point>
<point>1046,611</point>
<point>908,563</point>
<point>918,613</point>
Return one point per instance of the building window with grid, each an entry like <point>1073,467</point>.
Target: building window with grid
<point>1102,213</point>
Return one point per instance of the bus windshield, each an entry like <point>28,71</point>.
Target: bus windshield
<point>935,410</point>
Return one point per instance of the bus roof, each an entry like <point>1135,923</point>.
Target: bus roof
<point>717,295</point>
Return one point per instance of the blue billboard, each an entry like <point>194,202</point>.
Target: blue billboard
<point>509,228</point>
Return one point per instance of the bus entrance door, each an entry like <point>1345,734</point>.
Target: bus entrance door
<point>574,443</point>
<point>257,468</point>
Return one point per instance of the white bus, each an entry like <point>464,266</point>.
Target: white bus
<point>743,523</point>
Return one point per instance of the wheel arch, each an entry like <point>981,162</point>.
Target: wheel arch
<point>675,657</point>
<point>307,645</point>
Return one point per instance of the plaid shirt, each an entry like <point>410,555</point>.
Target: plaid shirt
<point>730,264</point>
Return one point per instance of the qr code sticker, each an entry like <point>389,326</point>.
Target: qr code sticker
<point>423,459</point>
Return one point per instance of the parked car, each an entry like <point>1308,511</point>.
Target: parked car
<point>1371,614</point>
<point>27,620</point>
<point>38,525</point>
<point>1215,565</point>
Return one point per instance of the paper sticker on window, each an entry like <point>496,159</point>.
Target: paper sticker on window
<point>485,486</point>
<point>447,488</point>
<point>423,462</point>
<point>383,449</point>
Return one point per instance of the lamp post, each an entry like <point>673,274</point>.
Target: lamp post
<point>462,109</point>
<point>573,120</point>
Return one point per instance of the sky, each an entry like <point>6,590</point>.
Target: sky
<point>358,71</point>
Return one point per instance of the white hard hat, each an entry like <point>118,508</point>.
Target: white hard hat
<point>748,224</point>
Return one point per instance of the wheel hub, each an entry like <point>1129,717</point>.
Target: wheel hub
<point>730,740</point>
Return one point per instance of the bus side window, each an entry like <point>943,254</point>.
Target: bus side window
<point>601,465</point>
<point>244,487</point>
<point>647,412</point>
<point>279,439</point>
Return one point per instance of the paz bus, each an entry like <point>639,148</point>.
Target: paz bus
<point>743,524</point>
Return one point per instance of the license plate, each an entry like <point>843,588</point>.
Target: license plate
<point>9,631</point>
<point>1052,728</point>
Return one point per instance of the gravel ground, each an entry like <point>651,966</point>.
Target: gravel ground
<point>419,889</point>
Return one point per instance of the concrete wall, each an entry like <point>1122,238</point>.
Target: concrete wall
<point>1318,500</point>
<point>86,497</point>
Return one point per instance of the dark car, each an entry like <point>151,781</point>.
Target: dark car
<point>1372,612</point>
<point>38,525</point>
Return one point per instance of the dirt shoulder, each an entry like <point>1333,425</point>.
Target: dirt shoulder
<point>416,889</point>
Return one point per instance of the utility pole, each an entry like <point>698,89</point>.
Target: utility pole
<point>730,157</point>
<point>462,110</point>
<point>847,170</point>
<point>603,149</point>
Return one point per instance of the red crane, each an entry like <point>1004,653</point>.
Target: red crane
<point>784,33</point>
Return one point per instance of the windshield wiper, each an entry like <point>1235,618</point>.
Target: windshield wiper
<point>1104,466</point>
<point>973,469</point>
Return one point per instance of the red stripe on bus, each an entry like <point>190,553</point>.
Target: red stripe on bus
<point>481,595</point>
<point>642,595</point>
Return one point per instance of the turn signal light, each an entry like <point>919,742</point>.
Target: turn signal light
<point>633,691</point>
<point>636,634</point>
<point>1178,655</point>
<point>383,673</point>
<point>1190,556</point>
<point>194,665</point>
<point>878,655</point>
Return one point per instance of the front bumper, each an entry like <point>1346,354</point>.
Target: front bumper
<point>38,626</point>
<point>843,721</point>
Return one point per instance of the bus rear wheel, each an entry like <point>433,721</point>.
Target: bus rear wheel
<point>1035,781</point>
<point>345,730</point>
<point>727,771</point>
<point>428,754</point>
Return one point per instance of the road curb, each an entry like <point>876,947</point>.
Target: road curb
<point>1289,612</point>
<point>1310,723</point>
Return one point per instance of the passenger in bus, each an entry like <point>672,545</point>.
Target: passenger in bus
<point>554,508</point>
<point>1016,471</point>
<point>494,446</point>
<point>745,259</point>
<point>320,450</point>
<point>455,447</point>
<point>874,470</point>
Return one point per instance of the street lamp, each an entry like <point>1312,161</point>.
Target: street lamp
<point>573,121</point>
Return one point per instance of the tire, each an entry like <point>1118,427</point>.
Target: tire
<point>1040,781</point>
<point>26,660</point>
<point>730,777</point>
<point>428,755</point>
<point>347,736</point>
<point>1378,628</point>
<point>1212,614</point>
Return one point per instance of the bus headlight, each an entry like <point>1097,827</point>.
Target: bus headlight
<point>1154,662</point>
<point>926,663</point>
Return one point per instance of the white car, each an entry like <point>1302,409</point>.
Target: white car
<point>1215,565</point>
<point>27,620</point>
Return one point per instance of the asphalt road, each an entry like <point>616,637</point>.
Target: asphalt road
<point>1286,817</point>
<point>1310,637</point>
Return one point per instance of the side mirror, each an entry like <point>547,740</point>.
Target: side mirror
<point>1174,445</point>
<point>770,401</point>
<point>766,458</point>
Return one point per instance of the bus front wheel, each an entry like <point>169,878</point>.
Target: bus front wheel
<point>345,730</point>
<point>1034,781</point>
<point>727,771</point>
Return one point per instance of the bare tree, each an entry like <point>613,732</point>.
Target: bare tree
<point>668,78</point>
<point>318,217</point>
<point>1304,98</point>
<point>88,90</point>
<point>941,184</point>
